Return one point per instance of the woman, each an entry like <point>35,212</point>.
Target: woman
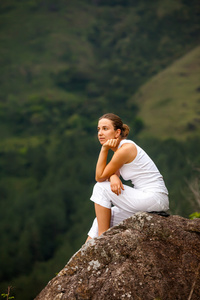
<point>113,200</point>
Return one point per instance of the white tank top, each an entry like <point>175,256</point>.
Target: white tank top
<point>143,172</point>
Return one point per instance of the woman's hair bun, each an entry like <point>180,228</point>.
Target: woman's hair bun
<point>125,130</point>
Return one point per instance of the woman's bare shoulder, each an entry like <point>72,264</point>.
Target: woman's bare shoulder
<point>129,150</point>
<point>128,146</point>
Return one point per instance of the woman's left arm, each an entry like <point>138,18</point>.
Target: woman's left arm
<point>101,164</point>
<point>123,155</point>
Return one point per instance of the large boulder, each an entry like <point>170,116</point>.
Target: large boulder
<point>145,257</point>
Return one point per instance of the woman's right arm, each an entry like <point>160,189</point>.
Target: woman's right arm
<point>116,184</point>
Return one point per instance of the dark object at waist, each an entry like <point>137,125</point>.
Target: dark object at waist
<point>160,213</point>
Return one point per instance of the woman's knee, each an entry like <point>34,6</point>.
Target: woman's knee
<point>100,194</point>
<point>99,187</point>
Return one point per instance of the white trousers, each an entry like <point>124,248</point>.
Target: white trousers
<point>126,204</point>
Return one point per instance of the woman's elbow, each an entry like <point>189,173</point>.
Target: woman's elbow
<point>100,179</point>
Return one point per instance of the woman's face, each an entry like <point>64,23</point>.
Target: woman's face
<point>106,131</point>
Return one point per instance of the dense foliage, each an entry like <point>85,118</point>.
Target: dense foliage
<point>63,64</point>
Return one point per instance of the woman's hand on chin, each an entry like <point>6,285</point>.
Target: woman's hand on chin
<point>112,143</point>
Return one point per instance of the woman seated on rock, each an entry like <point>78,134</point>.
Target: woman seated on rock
<point>113,200</point>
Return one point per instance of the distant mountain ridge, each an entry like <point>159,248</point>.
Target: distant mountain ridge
<point>169,103</point>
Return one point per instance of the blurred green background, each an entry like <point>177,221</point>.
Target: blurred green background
<point>62,65</point>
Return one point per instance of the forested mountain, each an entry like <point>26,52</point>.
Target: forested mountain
<point>172,100</point>
<point>63,64</point>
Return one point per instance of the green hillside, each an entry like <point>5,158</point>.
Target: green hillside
<point>63,64</point>
<point>169,103</point>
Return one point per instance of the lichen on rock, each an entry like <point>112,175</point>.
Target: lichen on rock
<point>144,257</point>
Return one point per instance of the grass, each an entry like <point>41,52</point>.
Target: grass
<point>169,102</point>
